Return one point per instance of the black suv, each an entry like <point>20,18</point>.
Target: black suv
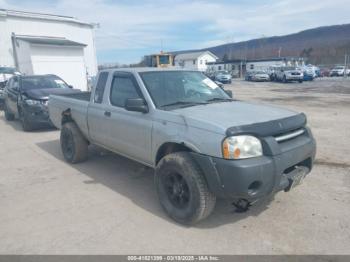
<point>26,98</point>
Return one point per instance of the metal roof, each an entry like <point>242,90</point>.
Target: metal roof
<point>43,16</point>
<point>46,40</point>
<point>193,55</point>
<point>272,59</point>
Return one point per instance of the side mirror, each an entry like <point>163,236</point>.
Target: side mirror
<point>70,86</point>
<point>136,105</point>
<point>219,84</point>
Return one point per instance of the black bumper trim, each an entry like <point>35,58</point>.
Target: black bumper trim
<point>233,179</point>
<point>270,128</point>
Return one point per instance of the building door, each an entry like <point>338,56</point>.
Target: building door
<point>64,61</point>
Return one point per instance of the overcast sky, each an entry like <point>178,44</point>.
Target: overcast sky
<point>130,29</point>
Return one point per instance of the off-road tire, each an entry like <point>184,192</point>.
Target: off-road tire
<point>201,201</point>
<point>8,116</point>
<point>74,146</point>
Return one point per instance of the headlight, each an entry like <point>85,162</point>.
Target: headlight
<point>241,147</point>
<point>31,102</point>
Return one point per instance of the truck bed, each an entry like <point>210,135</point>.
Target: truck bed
<point>77,104</point>
<point>85,96</point>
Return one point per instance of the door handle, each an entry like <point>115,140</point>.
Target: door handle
<point>107,113</point>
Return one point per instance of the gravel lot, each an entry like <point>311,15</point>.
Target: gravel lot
<point>108,205</point>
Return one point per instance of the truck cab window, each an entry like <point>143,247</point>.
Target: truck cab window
<point>123,87</point>
<point>100,87</point>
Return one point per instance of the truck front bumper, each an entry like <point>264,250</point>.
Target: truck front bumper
<point>255,178</point>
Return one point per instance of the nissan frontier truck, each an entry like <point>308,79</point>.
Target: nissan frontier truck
<point>202,144</point>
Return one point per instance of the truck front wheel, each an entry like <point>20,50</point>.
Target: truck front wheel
<point>182,189</point>
<point>8,115</point>
<point>73,144</point>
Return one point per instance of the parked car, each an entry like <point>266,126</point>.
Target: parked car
<point>339,71</point>
<point>308,73</point>
<point>223,77</point>
<point>26,97</point>
<point>5,74</point>
<point>325,72</point>
<point>258,76</point>
<point>271,71</point>
<point>312,71</point>
<point>288,74</point>
<point>201,143</point>
<point>248,76</point>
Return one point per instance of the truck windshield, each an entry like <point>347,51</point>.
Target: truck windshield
<point>41,82</point>
<point>173,89</point>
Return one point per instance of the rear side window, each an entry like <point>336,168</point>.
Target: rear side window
<point>100,87</point>
<point>123,87</point>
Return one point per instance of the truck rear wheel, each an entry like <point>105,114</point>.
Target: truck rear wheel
<point>182,189</point>
<point>73,144</point>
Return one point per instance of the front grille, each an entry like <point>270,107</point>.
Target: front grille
<point>290,135</point>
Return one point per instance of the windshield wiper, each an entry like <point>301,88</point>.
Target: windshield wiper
<point>185,103</point>
<point>220,99</point>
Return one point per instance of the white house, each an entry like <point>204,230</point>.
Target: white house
<point>196,60</point>
<point>38,43</point>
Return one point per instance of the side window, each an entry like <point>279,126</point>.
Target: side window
<point>100,87</point>
<point>123,87</point>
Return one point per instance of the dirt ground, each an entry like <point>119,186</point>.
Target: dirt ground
<point>108,204</point>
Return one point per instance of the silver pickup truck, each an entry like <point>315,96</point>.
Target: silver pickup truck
<point>201,143</point>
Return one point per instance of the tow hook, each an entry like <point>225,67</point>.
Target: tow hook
<point>241,205</point>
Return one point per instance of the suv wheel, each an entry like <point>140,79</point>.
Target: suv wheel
<point>26,125</point>
<point>182,189</point>
<point>73,144</point>
<point>8,116</point>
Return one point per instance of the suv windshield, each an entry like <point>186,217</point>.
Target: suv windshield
<point>41,82</point>
<point>172,89</point>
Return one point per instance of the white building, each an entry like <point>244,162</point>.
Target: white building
<point>196,60</point>
<point>266,64</point>
<point>37,43</point>
<point>234,67</point>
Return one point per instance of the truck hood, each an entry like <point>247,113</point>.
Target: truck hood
<point>43,94</point>
<point>220,117</point>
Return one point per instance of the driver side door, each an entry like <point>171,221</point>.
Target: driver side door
<point>128,132</point>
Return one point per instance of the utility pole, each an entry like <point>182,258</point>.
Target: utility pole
<point>346,65</point>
